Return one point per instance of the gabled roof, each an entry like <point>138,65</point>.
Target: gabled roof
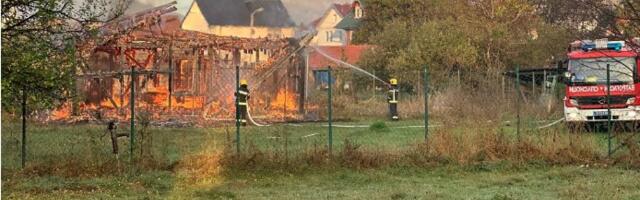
<point>348,23</point>
<point>238,12</point>
<point>343,9</point>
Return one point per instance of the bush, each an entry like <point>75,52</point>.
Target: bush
<point>379,127</point>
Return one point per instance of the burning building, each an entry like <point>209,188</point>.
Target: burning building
<point>149,60</point>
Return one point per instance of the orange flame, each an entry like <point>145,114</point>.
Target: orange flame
<point>285,100</point>
<point>62,112</point>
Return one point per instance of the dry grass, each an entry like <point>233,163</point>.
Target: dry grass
<point>474,133</point>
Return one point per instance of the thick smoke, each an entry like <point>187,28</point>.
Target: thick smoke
<point>301,11</point>
<point>305,11</point>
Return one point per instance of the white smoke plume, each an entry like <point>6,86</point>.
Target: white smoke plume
<point>301,11</point>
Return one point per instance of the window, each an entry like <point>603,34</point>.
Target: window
<point>337,36</point>
<point>593,70</point>
<point>329,35</point>
<point>322,78</point>
<point>358,12</point>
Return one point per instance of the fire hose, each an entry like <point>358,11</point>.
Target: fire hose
<point>251,118</point>
<point>551,124</point>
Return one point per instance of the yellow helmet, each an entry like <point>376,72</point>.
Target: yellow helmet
<point>243,82</point>
<point>393,81</point>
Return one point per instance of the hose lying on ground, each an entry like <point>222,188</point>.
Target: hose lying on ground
<point>251,119</point>
<point>551,124</point>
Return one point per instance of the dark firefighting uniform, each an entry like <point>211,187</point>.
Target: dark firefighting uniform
<point>392,98</point>
<point>243,99</point>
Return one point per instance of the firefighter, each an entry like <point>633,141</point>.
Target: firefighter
<point>392,98</point>
<point>243,99</point>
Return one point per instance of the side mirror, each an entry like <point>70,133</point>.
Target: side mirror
<point>566,77</point>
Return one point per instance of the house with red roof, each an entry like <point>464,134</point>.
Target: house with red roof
<point>332,45</point>
<point>325,26</point>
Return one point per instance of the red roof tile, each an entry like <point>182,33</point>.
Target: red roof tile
<point>343,9</point>
<point>350,54</point>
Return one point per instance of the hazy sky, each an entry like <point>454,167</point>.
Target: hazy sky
<point>300,10</point>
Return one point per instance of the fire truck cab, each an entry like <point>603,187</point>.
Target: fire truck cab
<point>586,78</point>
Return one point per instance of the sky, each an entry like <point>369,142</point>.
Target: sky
<point>301,11</point>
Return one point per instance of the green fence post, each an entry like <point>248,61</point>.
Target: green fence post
<point>132,101</point>
<point>518,101</point>
<point>608,111</point>
<point>330,111</point>
<point>24,128</point>
<point>237,109</point>
<point>170,75</point>
<point>426,104</point>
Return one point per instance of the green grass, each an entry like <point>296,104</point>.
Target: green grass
<point>389,183</point>
<point>53,144</point>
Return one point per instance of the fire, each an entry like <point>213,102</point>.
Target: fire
<point>61,113</point>
<point>157,97</point>
<point>119,102</point>
<point>285,100</point>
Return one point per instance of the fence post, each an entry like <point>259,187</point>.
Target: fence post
<point>329,107</point>
<point>170,75</point>
<point>426,104</point>
<point>608,112</point>
<point>533,85</point>
<point>544,81</point>
<point>237,109</point>
<point>24,128</point>
<point>132,101</point>
<point>518,101</point>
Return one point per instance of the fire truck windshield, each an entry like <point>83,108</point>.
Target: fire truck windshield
<point>594,70</point>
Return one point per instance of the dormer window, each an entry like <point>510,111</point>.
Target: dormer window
<point>357,10</point>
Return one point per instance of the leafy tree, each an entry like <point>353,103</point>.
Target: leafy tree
<point>38,40</point>
<point>583,18</point>
<point>627,21</point>
<point>481,38</point>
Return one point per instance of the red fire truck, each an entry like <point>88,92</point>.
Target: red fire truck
<point>586,79</point>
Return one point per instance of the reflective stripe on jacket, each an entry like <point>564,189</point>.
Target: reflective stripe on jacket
<point>393,96</point>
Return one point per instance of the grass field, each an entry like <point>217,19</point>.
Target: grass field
<point>74,162</point>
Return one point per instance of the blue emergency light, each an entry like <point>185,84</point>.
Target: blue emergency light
<point>613,45</point>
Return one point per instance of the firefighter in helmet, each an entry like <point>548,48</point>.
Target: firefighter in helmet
<point>392,98</point>
<point>243,100</point>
